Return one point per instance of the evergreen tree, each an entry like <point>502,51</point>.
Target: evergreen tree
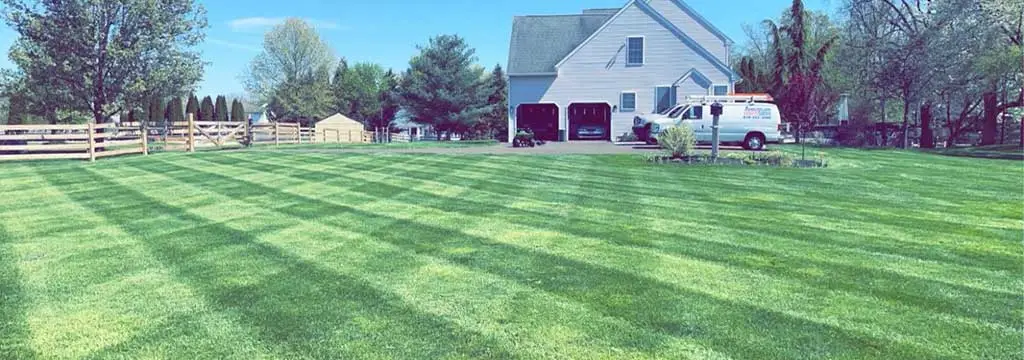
<point>442,88</point>
<point>221,109</point>
<point>342,102</point>
<point>16,109</point>
<point>494,125</point>
<point>156,111</point>
<point>238,111</point>
<point>173,112</point>
<point>193,106</point>
<point>389,99</point>
<point>206,110</point>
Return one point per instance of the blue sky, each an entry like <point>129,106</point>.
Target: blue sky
<point>387,31</point>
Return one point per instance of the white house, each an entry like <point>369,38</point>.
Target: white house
<point>605,66</point>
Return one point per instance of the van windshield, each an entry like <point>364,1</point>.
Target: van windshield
<point>666,111</point>
<point>676,112</point>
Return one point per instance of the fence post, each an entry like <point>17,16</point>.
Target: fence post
<point>145,138</point>
<point>92,142</point>
<point>298,133</point>
<point>245,137</point>
<point>191,146</point>
<point>276,138</point>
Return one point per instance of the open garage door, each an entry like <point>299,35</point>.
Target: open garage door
<point>590,121</point>
<point>541,118</point>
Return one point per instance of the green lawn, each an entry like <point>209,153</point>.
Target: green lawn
<point>245,255</point>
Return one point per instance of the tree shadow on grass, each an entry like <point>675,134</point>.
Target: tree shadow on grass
<point>727,326</point>
<point>296,307</point>
<point>932,295</point>
<point>15,339</point>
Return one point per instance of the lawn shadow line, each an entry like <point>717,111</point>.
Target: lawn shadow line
<point>15,335</point>
<point>812,272</point>
<point>274,306</point>
<point>417,238</point>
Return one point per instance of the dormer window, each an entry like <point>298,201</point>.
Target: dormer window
<point>635,50</point>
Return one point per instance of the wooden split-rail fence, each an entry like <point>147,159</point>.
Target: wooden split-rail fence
<point>92,141</point>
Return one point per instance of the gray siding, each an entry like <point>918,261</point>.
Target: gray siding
<point>691,27</point>
<point>598,73</point>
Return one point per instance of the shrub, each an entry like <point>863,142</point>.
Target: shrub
<point>776,158</point>
<point>679,141</point>
<point>628,137</point>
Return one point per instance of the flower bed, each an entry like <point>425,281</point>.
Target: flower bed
<point>765,158</point>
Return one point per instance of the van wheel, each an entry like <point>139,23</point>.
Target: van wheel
<point>754,141</point>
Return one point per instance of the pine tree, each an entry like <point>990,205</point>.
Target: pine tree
<point>16,109</point>
<point>220,111</point>
<point>206,110</point>
<point>156,111</point>
<point>193,106</point>
<point>442,88</point>
<point>494,125</point>
<point>238,112</point>
<point>173,112</point>
<point>342,100</point>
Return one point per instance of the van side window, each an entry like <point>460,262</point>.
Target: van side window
<point>697,112</point>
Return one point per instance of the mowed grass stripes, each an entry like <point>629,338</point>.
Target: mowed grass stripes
<point>265,254</point>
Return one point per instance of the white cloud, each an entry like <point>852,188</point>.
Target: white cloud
<point>260,23</point>
<point>234,45</point>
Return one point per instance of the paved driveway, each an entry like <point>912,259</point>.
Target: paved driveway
<point>552,148</point>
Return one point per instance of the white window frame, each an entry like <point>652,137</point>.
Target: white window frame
<point>643,52</point>
<point>711,89</point>
<point>622,95</point>
<point>672,93</point>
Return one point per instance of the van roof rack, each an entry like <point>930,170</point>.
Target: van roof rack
<point>734,98</point>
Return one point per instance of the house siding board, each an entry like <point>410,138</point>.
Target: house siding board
<point>598,71</point>
<point>694,29</point>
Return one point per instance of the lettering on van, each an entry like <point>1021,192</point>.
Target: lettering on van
<point>757,113</point>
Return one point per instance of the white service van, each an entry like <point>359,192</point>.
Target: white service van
<point>750,121</point>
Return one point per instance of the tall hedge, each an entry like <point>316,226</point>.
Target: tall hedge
<point>193,106</point>
<point>16,111</point>
<point>173,112</point>
<point>156,110</point>
<point>221,109</point>
<point>238,111</point>
<point>206,110</point>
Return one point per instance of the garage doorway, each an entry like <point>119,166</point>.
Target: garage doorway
<point>541,118</point>
<point>590,121</point>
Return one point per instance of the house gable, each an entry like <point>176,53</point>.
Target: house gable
<point>655,17</point>
<point>690,21</point>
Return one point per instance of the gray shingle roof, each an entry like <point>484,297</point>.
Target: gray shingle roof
<point>541,41</point>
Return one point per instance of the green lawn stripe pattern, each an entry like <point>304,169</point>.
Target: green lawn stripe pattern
<point>286,254</point>
<point>384,188</point>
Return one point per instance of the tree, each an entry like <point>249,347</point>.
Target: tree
<point>173,112</point>
<point>494,124</point>
<point>442,89</point>
<point>104,54</point>
<point>206,110</point>
<point>304,100</point>
<point>16,112</point>
<point>292,52</point>
<point>797,81</point>
<point>156,110</point>
<point>220,111</point>
<point>342,103</point>
<point>389,99</point>
<point>192,107</point>
<point>238,112</point>
<point>363,85</point>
